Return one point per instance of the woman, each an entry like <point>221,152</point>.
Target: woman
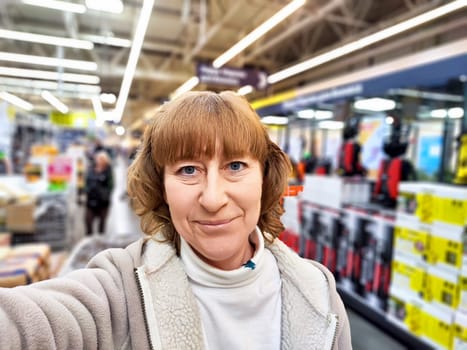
<point>98,187</point>
<point>211,273</point>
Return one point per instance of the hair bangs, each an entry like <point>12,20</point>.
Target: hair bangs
<point>198,125</point>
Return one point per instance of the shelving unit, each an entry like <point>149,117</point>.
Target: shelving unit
<point>381,320</point>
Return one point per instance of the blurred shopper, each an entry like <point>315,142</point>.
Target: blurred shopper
<point>5,165</point>
<point>211,273</point>
<point>98,187</point>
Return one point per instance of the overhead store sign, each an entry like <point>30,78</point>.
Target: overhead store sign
<point>73,119</point>
<point>230,76</point>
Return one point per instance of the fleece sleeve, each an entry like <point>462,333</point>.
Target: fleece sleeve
<point>84,310</point>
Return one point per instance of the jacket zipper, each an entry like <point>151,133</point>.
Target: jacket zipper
<point>146,323</point>
<point>334,337</point>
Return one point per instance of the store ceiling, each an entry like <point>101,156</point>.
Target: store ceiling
<point>182,33</point>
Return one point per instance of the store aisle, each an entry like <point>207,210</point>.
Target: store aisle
<point>365,336</point>
<point>121,220</point>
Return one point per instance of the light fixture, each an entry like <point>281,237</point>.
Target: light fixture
<point>48,61</point>
<point>16,101</point>
<point>439,113</point>
<point>112,6</point>
<point>119,130</point>
<point>455,112</point>
<point>314,114</point>
<point>389,120</point>
<point>275,120</point>
<point>48,75</point>
<point>375,104</point>
<point>141,27</point>
<point>57,5</point>
<point>186,86</point>
<point>108,98</point>
<point>322,114</point>
<point>366,41</point>
<point>306,114</point>
<point>107,40</point>
<point>49,85</point>
<point>101,115</point>
<point>245,90</point>
<point>258,32</point>
<point>250,38</point>
<point>46,39</point>
<point>54,102</point>
<point>331,124</point>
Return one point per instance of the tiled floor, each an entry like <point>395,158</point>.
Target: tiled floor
<point>122,221</point>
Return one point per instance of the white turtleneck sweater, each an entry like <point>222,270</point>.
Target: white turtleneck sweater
<point>240,309</point>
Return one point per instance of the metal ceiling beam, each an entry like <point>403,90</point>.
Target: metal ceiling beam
<point>306,22</point>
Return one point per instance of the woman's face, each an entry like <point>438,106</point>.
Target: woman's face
<point>215,205</point>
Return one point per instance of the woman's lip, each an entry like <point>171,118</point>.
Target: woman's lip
<point>213,222</point>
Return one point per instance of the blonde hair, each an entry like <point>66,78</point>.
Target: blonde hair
<point>188,127</point>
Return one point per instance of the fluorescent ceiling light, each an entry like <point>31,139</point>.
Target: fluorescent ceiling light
<point>107,40</point>
<point>245,90</point>
<point>366,41</point>
<point>48,61</point>
<point>375,104</point>
<point>275,120</point>
<point>57,5</point>
<point>455,112</point>
<point>312,114</point>
<point>439,113</point>
<point>101,115</point>
<point>16,101</point>
<point>141,27</point>
<point>258,32</point>
<point>49,85</point>
<point>306,114</point>
<point>46,39</point>
<point>119,130</point>
<point>48,75</point>
<point>331,124</point>
<point>320,114</point>
<point>112,6</point>
<point>186,86</point>
<point>108,98</point>
<point>54,101</point>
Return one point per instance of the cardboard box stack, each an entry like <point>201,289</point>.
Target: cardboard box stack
<point>24,264</point>
<point>428,284</point>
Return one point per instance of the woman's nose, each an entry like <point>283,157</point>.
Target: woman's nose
<point>213,193</point>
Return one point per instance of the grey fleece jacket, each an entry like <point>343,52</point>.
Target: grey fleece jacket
<point>138,298</point>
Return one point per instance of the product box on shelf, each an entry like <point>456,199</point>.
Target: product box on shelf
<point>446,247</point>
<point>381,276</point>
<point>438,327</point>
<point>327,242</point>
<point>463,290</point>
<point>451,204</point>
<point>460,331</point>
<point>334,192</point>
<point>309,228</point>
<point>443,287</point>
<point>19,271</point>
<point>406,311</point>
<point>412,238</point>
<point>416,200</point>
<point>409,275</point>
<point>291,220</point>
<point>20,217</point>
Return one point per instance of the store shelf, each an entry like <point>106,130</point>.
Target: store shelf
<point>379,319</point>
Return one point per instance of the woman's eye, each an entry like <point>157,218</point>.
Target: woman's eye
<point>188,170</point>
<point>236,166</point>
